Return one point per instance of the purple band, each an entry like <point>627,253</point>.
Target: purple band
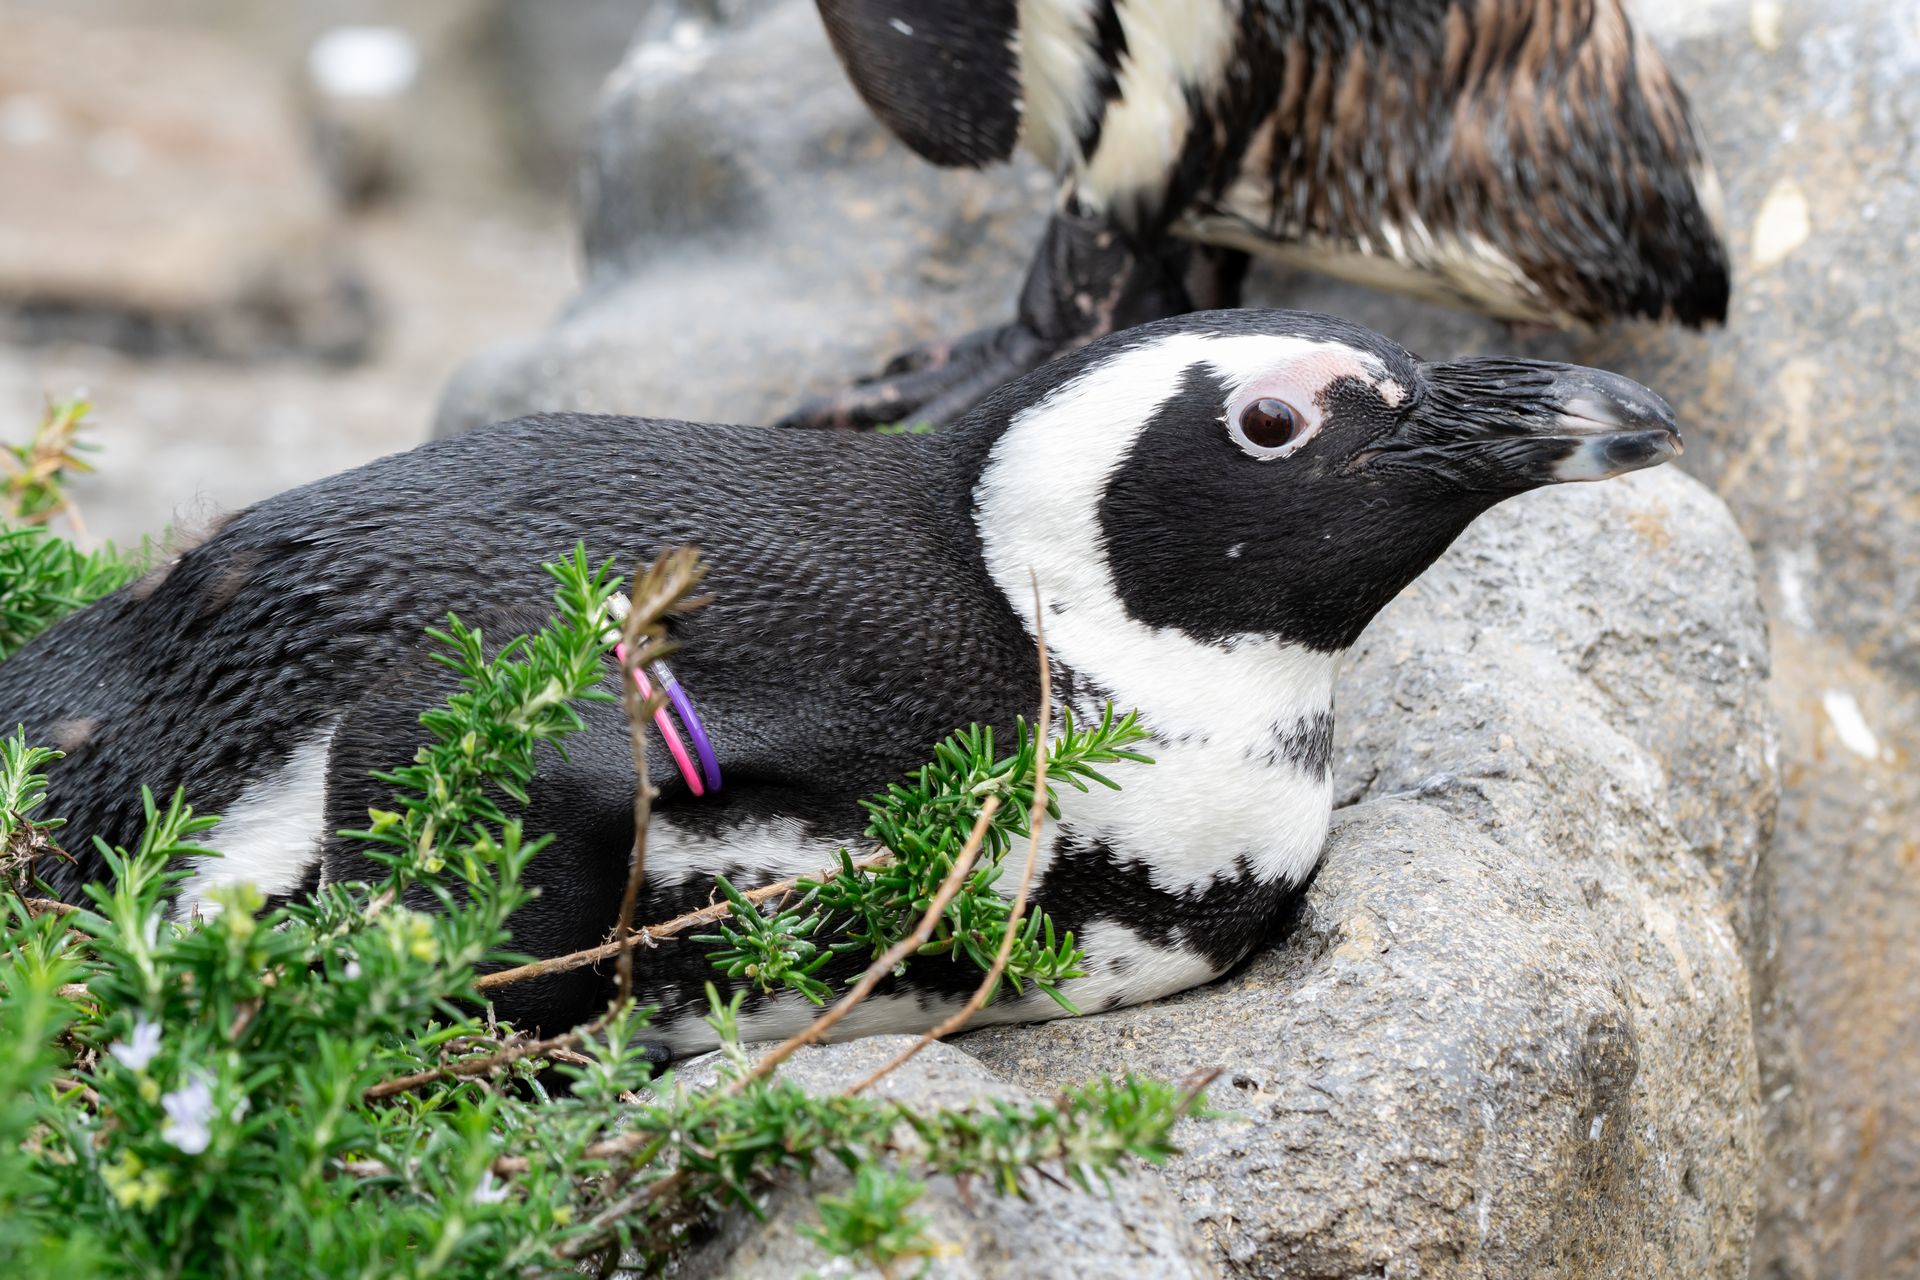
<point>690,721</point>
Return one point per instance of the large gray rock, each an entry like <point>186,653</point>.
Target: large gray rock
<point>1802,414</point>
<point>1511,1033</point>
<point>1806,415</point>
<point>1137,1233</point>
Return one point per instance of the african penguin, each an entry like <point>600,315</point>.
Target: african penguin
<point>1531,159</point>
<point>1213,506</point>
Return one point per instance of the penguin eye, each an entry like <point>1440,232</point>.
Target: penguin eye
<point>1267,426</point>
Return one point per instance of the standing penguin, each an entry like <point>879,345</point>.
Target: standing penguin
<point>1212,506</point>
<point>1531,159</point>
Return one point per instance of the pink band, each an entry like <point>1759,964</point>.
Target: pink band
<point>668,733</point>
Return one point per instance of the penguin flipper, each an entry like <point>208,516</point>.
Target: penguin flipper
<point>943,75</point>
<point>582,798</point>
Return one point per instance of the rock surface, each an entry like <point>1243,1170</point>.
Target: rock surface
<point>189,220</point>
<point>745,219</point>
<point>1807,411</point>
<point>753,236</point>
<point>1139,1233</point>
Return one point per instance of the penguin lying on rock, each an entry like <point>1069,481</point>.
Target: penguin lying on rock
<point>1531,159</point>
<point>1213,507</point>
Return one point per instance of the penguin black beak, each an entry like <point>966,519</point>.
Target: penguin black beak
<point>1510,425</point>
<point>1611,425</point>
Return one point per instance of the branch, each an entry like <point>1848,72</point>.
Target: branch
<point>654,933</point>
<point>66,1085</point>
<point>465,1067</point>
<point>638,710</point>
<point>881,967</point>
<point>613,1148</point>
<point>1042,725</point>
<point>658,590</point>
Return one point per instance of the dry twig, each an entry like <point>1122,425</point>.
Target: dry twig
<point>659,590</point>
<point>622,1144</point>
<point>655,933</point>
<point>1042,725</point>
<point>887,962</point>
<point>86,1092</point>
<point>466,1067</point>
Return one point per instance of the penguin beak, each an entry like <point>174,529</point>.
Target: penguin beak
<point>1510,425</point>
<point>1610,425</point>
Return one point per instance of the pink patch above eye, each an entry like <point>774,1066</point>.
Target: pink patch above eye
<point>1300,382</point>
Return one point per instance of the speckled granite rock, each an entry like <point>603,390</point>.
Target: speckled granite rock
<point>1803,415</point>
<point>1807,413</point>
<point>1511,1032</point>
<point>751,232</point>
<point>730,296</point>
<point>1139,1233</point>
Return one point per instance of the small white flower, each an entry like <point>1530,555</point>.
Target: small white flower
<point>352,971</point>
<point>189,1116</point>
<point>134,1054</point>
<point>488,1193</point>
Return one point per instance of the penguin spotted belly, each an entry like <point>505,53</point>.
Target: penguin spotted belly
<point>1165,883</point>
<point>1201,514</point>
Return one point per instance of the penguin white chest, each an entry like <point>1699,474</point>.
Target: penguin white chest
<point>1250,797</point>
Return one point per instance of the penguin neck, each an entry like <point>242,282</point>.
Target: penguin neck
<point>1036,490</point>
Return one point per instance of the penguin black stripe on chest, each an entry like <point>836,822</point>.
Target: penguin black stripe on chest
<point>1212,507</point>
<point>1531,159</point>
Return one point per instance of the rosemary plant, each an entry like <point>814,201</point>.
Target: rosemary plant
<point>315,1090</point>
<point>924,823</point>
<point>33,487</point>
<point>23,789</point>
<point>43,577</point>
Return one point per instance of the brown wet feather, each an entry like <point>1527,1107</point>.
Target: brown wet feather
<point>1547,130</point>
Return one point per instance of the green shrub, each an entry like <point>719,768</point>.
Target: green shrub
<point>313,1091</point>
<point>44,577</point>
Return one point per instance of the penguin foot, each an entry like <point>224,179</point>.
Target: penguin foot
<point>1087,279</point>
<point>930,385</point>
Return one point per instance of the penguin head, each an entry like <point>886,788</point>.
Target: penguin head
<point>1275,473</point>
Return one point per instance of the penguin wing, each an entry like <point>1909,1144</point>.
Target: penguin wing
<point>1531,158</point>
<point>943,75</point>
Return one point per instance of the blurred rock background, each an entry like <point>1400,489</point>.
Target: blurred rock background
<point>252,309</point>
<point>262,248</point>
